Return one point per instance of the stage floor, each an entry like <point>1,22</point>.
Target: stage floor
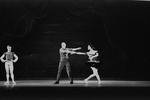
<point>77,83</point>
<point>46,90</point>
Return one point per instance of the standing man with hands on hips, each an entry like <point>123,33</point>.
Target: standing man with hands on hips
<point>9,55</point>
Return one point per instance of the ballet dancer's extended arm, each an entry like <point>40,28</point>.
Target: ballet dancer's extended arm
<point>74,49</point>
<point>81,53</point>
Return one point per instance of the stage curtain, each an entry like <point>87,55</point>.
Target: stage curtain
<point>123,27</point>
<point>79,7</point>
<point>110,10</point>
<point>18,16</point>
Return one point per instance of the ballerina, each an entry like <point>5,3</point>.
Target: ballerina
<point>93,63</point>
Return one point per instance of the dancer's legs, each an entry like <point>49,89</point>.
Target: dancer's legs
<point>7,72</point>
<point>69,71</point>
<point>60,68</point>
<point>11,72</point>
<point>95,73</point>
<point>91,76</point>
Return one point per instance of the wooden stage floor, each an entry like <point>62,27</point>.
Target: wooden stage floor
<point>46,90</point>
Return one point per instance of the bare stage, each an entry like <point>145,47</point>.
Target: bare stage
<point>77,83</point>
<point>46,90</point>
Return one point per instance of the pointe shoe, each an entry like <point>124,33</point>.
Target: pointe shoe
<point>71,82</point>
<point>86,81</point>
<point>56,83</point>
<point>14,83</point>
<point>99,82</point>
<point>6,83</point>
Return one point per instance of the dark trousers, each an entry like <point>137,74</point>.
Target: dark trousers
<point>60,68</point>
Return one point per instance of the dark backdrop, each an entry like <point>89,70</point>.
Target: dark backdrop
<point>36,28</point>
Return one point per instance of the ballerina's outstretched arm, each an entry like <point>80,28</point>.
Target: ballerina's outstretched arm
<point>81,53</point>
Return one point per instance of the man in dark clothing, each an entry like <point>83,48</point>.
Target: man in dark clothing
<point>64,61</point>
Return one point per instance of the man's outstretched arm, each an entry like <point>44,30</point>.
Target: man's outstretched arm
<point>76,48</point>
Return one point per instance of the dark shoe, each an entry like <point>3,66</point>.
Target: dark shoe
<point>56,83</point>
<point>71,82</point>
